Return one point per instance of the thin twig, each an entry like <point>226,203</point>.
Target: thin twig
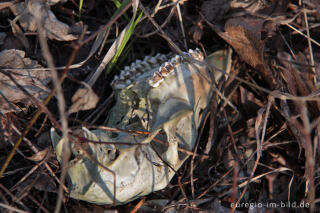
<point>12,208</point>
<point>181,25</point>
<point>316,77</point>
<point>298,31</point>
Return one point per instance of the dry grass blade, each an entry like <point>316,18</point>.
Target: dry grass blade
<point>115,46</point>
<point>114,52</point>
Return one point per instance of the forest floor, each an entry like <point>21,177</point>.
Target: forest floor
<point>259,148</point>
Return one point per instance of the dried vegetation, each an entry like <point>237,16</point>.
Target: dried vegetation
<point>261,147</point>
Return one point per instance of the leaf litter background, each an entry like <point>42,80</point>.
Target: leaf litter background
<point>260,147</point>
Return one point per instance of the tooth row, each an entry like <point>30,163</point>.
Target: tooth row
<point>168,68</point>
<point>130,73</point>
<point>136,69</point>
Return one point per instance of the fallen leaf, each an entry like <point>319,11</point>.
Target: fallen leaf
<point>27,73</point>
<point>83,99</point>
<point>54,28</point>
<point>39,156</point>
<point>244,35</point>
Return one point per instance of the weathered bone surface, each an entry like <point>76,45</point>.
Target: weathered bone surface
<point>155,94</point>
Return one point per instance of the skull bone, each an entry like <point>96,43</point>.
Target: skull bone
<point>168,107</point>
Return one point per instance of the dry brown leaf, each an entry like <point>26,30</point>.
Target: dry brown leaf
<point>39,156</point>
<point>83,99</point>
<point>55,29</point>
<point>244,35</point>
<point>35,81</point>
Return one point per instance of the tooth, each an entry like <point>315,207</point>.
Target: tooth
<point>176,60</point>
<point>163,57</point>
<point>154,83</point>
<point>200,54</point>
<point>153,60</point>
<point>122,73</point>
<point>120,86</point>
<point>139,67</point>
<point>147,58</point>
<point>169,66</point>
<point>144,63</point>
<point>187,54</point>
<point>163,71</point>
<point>126,74</point>
<point>126,68</point>
<point>191,51</point>
<point>138,61</point>
<point>155,80</point>
<point>128,82</point>
<point>157,74</point>
<point>116,77</point>
<point>179,57</point>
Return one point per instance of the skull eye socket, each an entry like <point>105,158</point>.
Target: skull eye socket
<point>114,135</point>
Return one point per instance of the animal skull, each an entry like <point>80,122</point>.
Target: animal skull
<point>167,99</point>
